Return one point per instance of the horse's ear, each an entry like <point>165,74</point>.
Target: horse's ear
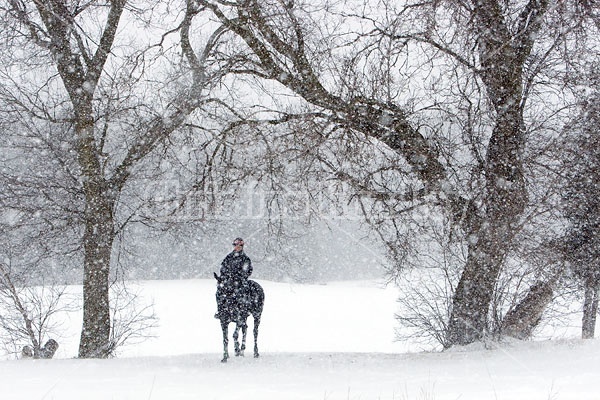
<point>217,277</point>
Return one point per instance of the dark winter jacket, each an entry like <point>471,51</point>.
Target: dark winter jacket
<point>236,267</point>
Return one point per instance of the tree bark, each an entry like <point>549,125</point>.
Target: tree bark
<point>590,310</point>
<point>98,238</point>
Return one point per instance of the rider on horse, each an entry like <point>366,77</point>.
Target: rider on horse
<point>235,270</point>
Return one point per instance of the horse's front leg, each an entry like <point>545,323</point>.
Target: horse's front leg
<point>244,332</point>
<point>236,343</point>
<point>225,328</point>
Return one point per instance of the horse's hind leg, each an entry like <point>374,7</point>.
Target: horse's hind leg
<point>224,328</point>
<point>256,324</point>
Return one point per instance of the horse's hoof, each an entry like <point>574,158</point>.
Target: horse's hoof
<point>224,360</point>
<point>256,355</point>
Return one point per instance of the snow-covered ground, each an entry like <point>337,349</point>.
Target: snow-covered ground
<point>321,342</point>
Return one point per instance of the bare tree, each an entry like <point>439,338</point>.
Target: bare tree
<point>29,313</point>
<point>133,317</point>
<point>496,51</point>
<point>112,129</point>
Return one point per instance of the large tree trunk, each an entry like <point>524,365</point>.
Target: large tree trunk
<point>473,295</point>
<point>505,200</point>
<point>502,56</point>
<point>95,333</point>
<point>97,243</point>
<point>590,310</point>
<point>521,321</point>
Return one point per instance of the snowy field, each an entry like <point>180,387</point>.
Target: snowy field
<point>320,342</point>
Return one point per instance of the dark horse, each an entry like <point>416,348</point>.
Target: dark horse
<point>235,305</point>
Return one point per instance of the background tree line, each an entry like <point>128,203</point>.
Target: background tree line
<point>447,124</point>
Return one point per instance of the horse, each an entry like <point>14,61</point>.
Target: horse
<point>235,306</point>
